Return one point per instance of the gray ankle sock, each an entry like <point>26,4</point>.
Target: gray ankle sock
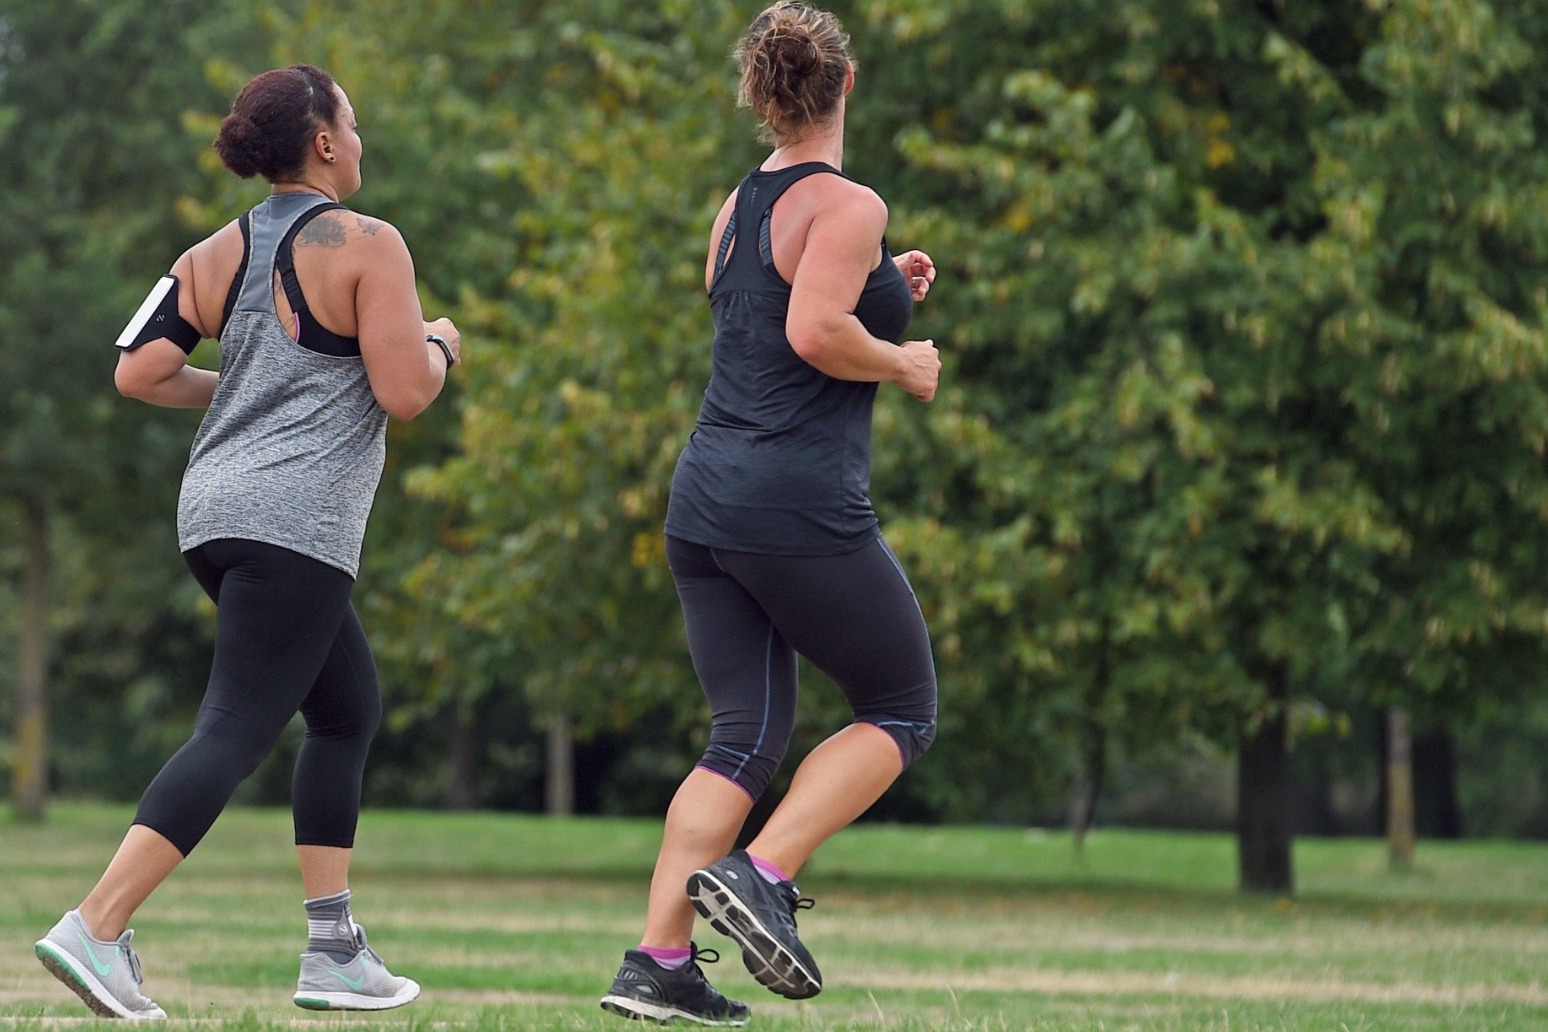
<point>329,927</point>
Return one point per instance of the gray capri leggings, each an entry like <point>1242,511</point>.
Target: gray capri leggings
<point>854,616</point>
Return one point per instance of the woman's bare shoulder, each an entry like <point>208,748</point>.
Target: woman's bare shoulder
<point>837,199</point>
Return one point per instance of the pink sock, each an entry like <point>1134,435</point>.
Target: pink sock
<point>771,874</point>
<point>670,958</point>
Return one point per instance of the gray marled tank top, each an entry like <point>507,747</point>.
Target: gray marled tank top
<point>291,449</point>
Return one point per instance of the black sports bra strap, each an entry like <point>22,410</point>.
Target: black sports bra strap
<point>765,240</point>
<point>725,244</point>
<point>285,259</point>
<point>246,224</point>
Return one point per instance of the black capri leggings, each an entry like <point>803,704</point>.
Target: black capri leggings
<point>286,639</point>
<point>853,615</point>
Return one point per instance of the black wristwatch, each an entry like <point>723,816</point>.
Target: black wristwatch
<point>446,350</point>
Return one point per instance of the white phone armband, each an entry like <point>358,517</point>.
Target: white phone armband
<point>158,317</point>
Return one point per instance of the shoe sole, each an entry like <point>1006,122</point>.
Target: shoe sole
<point>354,1001</point>
<point>639,1010</point>
<point>767,959</point>
<point>86,985</point>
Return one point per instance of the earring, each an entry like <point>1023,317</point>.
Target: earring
<point>331,159</point>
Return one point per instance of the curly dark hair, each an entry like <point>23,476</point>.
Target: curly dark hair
<point>273,119</point>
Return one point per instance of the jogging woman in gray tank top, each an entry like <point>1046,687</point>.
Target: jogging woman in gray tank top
<point>774,546</point>
<point>321,340</point>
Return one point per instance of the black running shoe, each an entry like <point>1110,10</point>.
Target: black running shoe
<point>647,991</point>
<point>760,916</point>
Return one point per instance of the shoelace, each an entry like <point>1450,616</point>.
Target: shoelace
<point>134,964</point>
<point>360,944</point>
<point>797,901</point>
<point>709,956</point>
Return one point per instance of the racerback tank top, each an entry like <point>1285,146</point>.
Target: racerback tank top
<point>291,449</point>
<point>779,461</point>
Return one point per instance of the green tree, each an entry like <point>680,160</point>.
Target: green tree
<point>1245,301</point>
<point>555,173</point>
<point>91,99</point>
<point>1243,407</point>
<point>587,389</point>
<point>1137,419</point>
<point>1434,197</point>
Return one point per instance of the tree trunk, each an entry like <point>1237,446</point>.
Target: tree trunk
<point>462,784</point>
<point>1091,754</point>
<point>29,775</point>
<point>1437,812</point>
<point>1400,791</point>
<point>1084,788</point>
<point>1263,795</point>
<point>559,786</point>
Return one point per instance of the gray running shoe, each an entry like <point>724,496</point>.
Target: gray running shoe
<point>364,983</point>
<point>760,916</point>
<point>647,991</point>
<point>105,975</point>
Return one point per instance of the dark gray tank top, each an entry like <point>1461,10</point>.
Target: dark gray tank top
<point>291,449</point>
<point>780,460</point>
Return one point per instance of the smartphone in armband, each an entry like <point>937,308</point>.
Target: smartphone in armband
<point>158,317</point>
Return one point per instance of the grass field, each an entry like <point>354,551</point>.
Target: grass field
<point>518,922</point>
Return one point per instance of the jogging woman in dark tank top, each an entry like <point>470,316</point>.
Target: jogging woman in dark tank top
<point>321,340</point>
<point>774,546</point>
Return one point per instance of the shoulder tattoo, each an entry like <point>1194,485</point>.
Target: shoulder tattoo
<point>323,231</point>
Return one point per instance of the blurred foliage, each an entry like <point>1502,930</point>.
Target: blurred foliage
<point>1242,311</point>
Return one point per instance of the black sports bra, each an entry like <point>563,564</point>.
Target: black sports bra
<point>312,335</point>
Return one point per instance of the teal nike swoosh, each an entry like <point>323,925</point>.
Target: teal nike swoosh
<point>354,983</point>
<point>102,967</point>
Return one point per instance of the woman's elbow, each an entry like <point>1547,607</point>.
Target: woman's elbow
<point>405,405</point>
<point>816,337</point>
<point>809,345</point>
<point>129,382</point>
<point>404,413</point>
